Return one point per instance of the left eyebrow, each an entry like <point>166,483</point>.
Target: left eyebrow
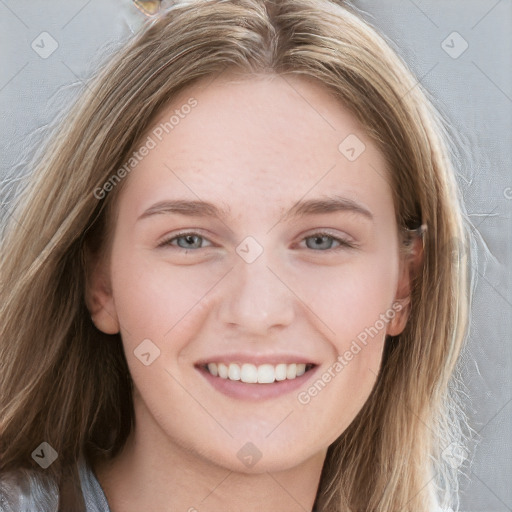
<point>328,204</point>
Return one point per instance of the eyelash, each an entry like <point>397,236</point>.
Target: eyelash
<point>343,244</point>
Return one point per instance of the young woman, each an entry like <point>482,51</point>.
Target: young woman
<point>235,278</point>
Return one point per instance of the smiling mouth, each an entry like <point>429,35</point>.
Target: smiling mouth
<point>257,374</point>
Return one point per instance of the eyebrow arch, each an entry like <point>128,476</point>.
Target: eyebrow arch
<point>300,209</point>
<point>183,207</point>
<point>329,204</point>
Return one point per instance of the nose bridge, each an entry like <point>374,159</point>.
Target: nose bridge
<point>256,299</point>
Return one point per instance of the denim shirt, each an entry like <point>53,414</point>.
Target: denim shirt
<point>94,497</point>
<point>28,491</point>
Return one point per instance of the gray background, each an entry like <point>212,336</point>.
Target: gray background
<point>473,88</point>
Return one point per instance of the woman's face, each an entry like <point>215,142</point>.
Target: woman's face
<point>256,236</point>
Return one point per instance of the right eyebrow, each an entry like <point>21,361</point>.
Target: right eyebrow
<point>183,207</point>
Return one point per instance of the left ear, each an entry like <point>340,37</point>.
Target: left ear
<point>410,266</point>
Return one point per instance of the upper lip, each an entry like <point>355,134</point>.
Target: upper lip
<point>256,359</point>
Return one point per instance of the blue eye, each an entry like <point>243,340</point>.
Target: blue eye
<point>325,242</point>
<point>185,241</point>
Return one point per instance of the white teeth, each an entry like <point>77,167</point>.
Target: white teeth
<point>280,371</point>
<point>291,371</point>
<point>252,374</point>
<point>223,370</point>
<point>212,368</point>
<point>234,372</point>
<point>249,373</point>
<point>266,374</point>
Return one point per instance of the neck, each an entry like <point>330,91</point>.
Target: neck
<point>154,472</point>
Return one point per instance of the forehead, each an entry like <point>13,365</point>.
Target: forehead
<point>239,140</point>
<point>267,115</point>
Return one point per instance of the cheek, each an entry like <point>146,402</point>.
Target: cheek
<point>152,296</point>
<point>353,301</point>
<point>163,304</point>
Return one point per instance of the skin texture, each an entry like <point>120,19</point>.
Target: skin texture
<point>253,145</point>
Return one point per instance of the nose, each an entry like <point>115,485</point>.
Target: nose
<point>257,298</point>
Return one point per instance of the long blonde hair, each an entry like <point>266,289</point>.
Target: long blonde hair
<point>64,382</point>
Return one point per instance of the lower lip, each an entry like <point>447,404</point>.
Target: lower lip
<point>244,391</point>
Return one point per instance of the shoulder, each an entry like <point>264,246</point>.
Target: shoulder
<point>95,499</point>
<point>25,490</point>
